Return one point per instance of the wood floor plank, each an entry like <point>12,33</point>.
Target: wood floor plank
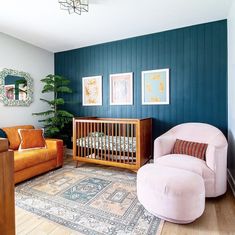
<point>46,227</point>
<point>29,225</point>
<point>22,219</point>
<point>61,231</point>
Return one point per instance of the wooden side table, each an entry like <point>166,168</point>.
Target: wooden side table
<point>7,189</point>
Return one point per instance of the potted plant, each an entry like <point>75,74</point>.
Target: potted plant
<point>56,119</point>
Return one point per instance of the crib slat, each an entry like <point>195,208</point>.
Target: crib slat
<point>98,142</point>
<point>101,140</point>
<point>94,139</point>
<point>78,136</point>
<point>124,147</point>
<point>85,139</point>
<point>112,141</point>
<point>119,133</point>
<point>105,141</point>
<point>132,155</point>
<point>90,140</point>
<point>116,126</point>
<point>108,142</point>
<point>128,147</point>
<point>82,148</point>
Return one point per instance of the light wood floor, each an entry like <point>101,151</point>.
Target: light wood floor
<point>218,219</point>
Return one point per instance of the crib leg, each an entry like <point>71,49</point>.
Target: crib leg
<point>77,164</point>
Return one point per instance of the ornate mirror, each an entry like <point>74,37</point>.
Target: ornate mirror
<point>16,88</point>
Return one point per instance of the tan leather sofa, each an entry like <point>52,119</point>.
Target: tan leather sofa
<point>33,162</point>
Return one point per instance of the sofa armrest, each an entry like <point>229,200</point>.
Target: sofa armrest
<point>216,160</point>
<point>56,144</point>
<point>163,145</point>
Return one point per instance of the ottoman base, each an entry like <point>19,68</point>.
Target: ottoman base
<point>172,194</point>
<point>171,220</point>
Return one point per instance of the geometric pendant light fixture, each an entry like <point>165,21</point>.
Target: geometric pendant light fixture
<point>74,6</point>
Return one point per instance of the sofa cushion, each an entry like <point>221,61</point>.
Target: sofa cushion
<point>186,162</point>
<point>30,158</point>
<point>13,135</point>
<point>31,139</point>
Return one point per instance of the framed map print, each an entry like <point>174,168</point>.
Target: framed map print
<point>92,91</point>
<point>155,87</point>
<point>121,89</point>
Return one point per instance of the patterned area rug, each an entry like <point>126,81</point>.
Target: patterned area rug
<point>90,199</point>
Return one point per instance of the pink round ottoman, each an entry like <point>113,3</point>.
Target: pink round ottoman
<point>172,194</point>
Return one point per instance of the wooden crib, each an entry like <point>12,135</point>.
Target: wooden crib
<point>125,143</point>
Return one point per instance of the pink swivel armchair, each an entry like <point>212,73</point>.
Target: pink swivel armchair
<point>213,170</point>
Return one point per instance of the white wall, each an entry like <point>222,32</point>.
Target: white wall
<point>19,55</point>
<point>231,90</point>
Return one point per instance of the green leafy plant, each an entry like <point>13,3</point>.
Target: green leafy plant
<point>55,119</point>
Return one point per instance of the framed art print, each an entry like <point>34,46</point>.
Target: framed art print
<point>121,89</point>
<point>155,87</point>
<point>92,91</point>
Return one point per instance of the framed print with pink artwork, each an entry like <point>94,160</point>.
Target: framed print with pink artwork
<point>121,89</point>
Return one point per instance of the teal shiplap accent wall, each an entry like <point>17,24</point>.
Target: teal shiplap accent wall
<point>196,57</point>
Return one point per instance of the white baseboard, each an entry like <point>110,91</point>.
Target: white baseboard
<point>231,181</point>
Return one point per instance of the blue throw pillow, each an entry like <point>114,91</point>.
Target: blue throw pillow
<point>3,134</point>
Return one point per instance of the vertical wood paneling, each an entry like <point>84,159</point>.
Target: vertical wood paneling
<point>196,56</point>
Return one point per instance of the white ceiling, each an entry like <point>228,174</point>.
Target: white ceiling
<point>44,24</point>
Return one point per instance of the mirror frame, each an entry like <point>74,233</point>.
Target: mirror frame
<point>29,80</point>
